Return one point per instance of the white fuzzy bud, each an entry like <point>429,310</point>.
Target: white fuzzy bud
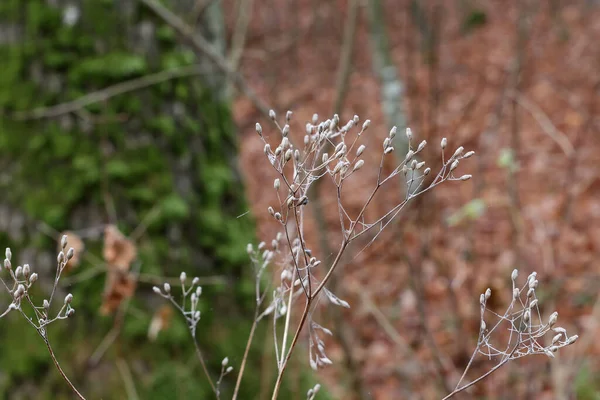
<point>458,152</point>
<point>572,339</point>
<point>358,165</point>
<point>514,274</point>
<point>469,154</point>
<point>156,290</point>
<point>427,171</point>
<point>465,177</point>
<point>388,150</point>
<point>167,288</point>
<point>488,293</point>
<point>409,134</point>
<point>225,362</point>
<point>422,145</point>
<point>267,148</point>
<point>444,143</point>
<point>386,143</point>
<point>70,253</point>
<point>454,165</point>
<point>366,124</point>
<point>33,278</point>
<point>286,130</point>
<point>8,254</point>
<point>325,157</point>
<point>68,298</point>
<point>272,115</point>
<point>393,132</point>
<point>553,318</point>
<point>288,116</point>
<point>63,242</point>
<point>360,150</point>
<point>258,129</point>
<point>195,280</point>
<point>182,277</point>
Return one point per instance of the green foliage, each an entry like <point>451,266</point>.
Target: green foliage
<point>586,385</point>
<point>148,158</point>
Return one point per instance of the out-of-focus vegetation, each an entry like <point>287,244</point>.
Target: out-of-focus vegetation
<point>160,159</point>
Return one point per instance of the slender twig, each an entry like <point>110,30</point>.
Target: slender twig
<point>109,92</point>
<point>62,373</point>
<point>246,352</point>
<point>202,45</point>
<point>345,64</point>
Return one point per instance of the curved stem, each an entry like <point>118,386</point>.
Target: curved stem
<point>243,365</point>
<point>201,358</point>
<point>289,354</point>
<point>79,395</point>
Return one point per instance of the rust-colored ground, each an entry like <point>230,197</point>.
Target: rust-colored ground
<point>544,216</point>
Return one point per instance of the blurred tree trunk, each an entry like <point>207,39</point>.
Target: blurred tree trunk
<point>163,155</point>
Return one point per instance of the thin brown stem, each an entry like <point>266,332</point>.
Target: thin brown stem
<point>243,365</point>
<point>62,373</point>
<point>203,363</point>
<point>292,345</point>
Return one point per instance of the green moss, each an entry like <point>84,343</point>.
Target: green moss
<point>133,146</point>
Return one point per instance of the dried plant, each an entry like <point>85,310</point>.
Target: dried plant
<point>21,279</point>
<point>332,151</point>
<point>329,151</point>
<point>528,331</point>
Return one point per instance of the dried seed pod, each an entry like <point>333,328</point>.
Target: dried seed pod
<point>360,150</point>
<point>358,165</point>
<point>458,152</point>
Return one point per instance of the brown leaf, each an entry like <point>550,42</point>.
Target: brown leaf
<point>119,252</point>
<point>119,286</point>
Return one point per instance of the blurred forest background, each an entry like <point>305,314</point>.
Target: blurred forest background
<point>140,114</point>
